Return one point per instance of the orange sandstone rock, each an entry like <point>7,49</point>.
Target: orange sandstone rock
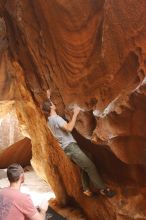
<point>90,53</point>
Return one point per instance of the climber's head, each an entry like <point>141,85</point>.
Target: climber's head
<point>48,106</point>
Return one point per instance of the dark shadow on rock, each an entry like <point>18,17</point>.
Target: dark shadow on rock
<point>51,214</point>
<point>109,166</point>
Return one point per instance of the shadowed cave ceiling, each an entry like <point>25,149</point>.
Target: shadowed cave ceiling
<point>90,53</point>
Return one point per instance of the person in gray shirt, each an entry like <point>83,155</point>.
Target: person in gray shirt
<point>62,131</point>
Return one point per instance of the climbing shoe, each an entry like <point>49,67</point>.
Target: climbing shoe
<point>88,193</point>
<point>107,192</point>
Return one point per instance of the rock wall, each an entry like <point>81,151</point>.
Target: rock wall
<point>19,152</point>
<point>9,129</point>
<point>90,53</point>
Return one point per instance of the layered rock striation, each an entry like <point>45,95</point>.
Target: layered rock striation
<point>91,54</point>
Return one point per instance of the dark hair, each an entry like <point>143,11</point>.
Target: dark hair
<point>14,172</point>
<point>46,106</point>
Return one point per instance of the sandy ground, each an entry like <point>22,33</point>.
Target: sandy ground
<point>37,188</point>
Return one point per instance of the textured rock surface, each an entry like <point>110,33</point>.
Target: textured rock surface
<point>90,53</point>
<point>14,147</point>
<point>19,152</point>
<point>9,129</point>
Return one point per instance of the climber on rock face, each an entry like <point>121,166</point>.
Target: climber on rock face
<point>62,131</point>
<point>15,204</point>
